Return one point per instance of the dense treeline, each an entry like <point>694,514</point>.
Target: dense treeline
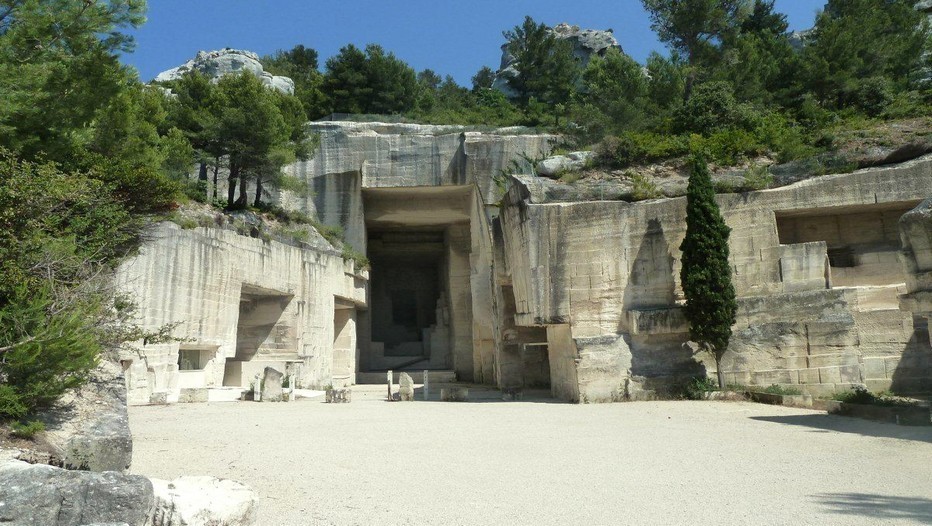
<point>88,153</point>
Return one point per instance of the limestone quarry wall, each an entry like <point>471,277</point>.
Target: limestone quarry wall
<point>240,303</point>
<point>609,272</point>
<point>355,156</point>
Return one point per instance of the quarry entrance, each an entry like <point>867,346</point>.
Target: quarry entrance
<point>420,315</point>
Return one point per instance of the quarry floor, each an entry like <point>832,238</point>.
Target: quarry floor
<point>534,462</point>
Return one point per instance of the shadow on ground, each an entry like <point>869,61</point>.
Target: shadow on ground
<point>823,423</point>
<point>877,506</point>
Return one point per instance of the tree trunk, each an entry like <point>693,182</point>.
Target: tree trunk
<point>202,172</point>
<point>243,199</point>
<point>718,370</point>
<point>258,192</point>
<point>231,184</point>
<point>216,171</point>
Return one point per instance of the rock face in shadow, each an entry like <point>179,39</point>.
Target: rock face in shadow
<point>32,495</point>
<point>89,428</point>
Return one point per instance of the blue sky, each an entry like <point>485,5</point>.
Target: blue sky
<point>451,37</point>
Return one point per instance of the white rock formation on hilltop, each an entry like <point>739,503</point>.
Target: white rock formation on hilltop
<point>225,61</point>
<point>586,42</point>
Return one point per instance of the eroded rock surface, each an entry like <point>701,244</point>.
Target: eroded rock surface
<point>89,428</point>
<point>32,495</point>
<point>203,501</point>
<point>216,64</point>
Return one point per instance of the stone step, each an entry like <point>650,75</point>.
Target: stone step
<point>379,377</point>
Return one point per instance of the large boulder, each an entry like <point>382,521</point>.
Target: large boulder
<point>586,43</point>
<point>32,494</point>
<point>216,64</point>
<point>203,501</point>
<point>88,428</point>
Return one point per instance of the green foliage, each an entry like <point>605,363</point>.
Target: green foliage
<point>758,178</point>
<point>781,390</point>
<point>27,430</point>
<point>644,188</point>
<point>360,261</point>
<point>711,306</point>
<point>300,65</point>
<point>483,79</point>
<point>692,28</point>
<point>712,107</point>
<point>369,82</point>
<point>58,68</point>
<point>546,69</point>
<point>697,387</point>
<point>637,147</point>
<point>861,51</point>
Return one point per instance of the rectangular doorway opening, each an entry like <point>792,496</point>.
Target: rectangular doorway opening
<point>262,334</point>
<point>863,242</point>
<point>407,294</point>
<point>419,243</point>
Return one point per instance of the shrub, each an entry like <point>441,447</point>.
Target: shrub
<point>696,387</point>
<point>712,107</point>
<point>637,147</point>
<point>758,177</point>
<point>26,430</point>
<point>858,395</point>
<point>872,95</point>
<point>644,188</point>
<point>360,261</point>
<point>780,390</point>
<point>45,352</point>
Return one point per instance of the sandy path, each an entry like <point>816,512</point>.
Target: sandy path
<point>372,462</point>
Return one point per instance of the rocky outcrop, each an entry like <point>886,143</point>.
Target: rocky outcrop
<point>216,64</point>
<point>34,494</point>
<point>89,428</point>
<point>203,501</point>
<point>916,236</point>
<point>558,164</point>
<point>586,43</point>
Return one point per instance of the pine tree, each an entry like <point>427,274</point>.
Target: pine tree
<point>706,274</point>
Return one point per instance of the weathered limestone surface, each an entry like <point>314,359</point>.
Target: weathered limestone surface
<point>519,291</point>
<point>203,501</point>
<point>89,427</point>
<point>32,494</point>
<point>354,156</point>
<point>271,385</point>
<point>241,304</point>
<point>603,276</point>
<point>216,64</point>
<point>405,388</point>
<point>916,233</point>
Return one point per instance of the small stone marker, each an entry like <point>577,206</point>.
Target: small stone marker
<point>338,396</point>
<point>389,379</point>
<point>405,388</point>
<point>426,385</point>
<point>454,394</point>
<point>271,385</point>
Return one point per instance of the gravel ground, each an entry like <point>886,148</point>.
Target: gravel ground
<point>373,462</point>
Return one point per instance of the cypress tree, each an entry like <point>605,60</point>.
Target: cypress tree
<point>706,275</point>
